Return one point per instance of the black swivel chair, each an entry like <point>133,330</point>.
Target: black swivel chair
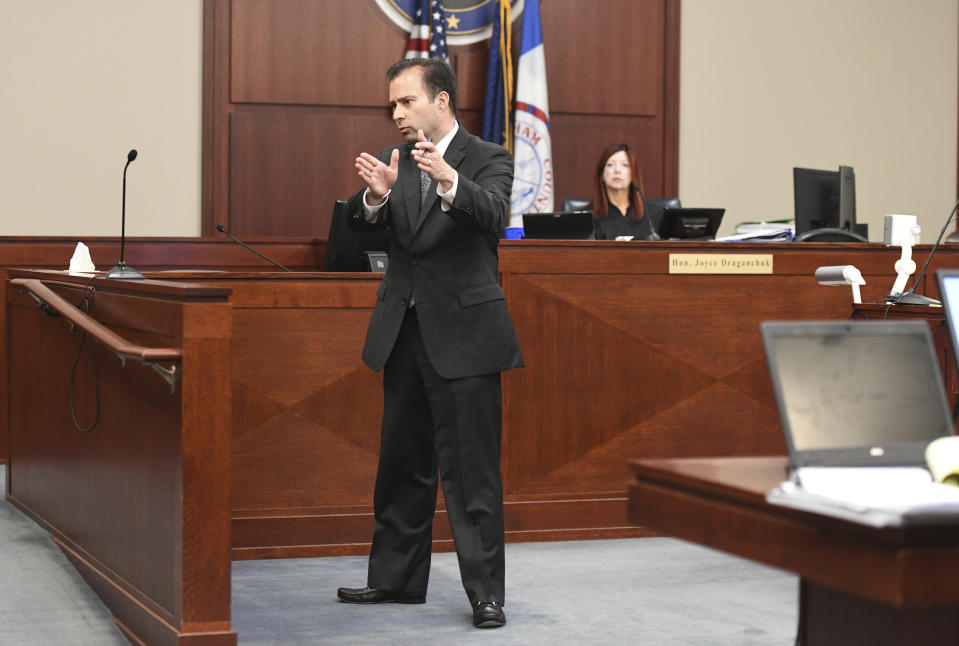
<point>664,203</point>
<point>654,207</point>
<point>830,235</point>
<point>658,203</point>
<point>575,204</point>
<point>346,249</point>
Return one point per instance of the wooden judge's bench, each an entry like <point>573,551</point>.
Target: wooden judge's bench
<point>264,442</point>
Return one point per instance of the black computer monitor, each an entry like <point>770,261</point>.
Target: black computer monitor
<point>562,225</point>
<point>348,250</point>
<point>825,199</point>
<point>689,223</point>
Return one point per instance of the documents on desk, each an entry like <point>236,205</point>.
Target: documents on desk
<point>876,496</point>
<point>763,234</point>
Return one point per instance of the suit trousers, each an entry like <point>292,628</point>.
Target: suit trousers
<point>454,427</point>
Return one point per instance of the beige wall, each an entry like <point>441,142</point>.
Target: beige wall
<point>81,83</point>
<point>765,85</point>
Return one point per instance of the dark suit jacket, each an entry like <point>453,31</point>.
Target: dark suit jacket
<point>448,260</point>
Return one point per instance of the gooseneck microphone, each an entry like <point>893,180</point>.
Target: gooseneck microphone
<point>652,225</point>
<point>122,271</point>
<point>910,297</point>
<point>222,229</point>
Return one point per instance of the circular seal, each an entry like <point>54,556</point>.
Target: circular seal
<point>532,169</point>
<point>468,21</point>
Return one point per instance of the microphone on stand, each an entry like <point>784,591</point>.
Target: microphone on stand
<point>222,229</point>
<point>910,297</point>
<point>652,225</point>
<point>122,271</point>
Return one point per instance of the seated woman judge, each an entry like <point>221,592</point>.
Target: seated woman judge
<point>618,208</point>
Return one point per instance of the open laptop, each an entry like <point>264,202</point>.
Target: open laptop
<point>856,393</point>
<point>563,225</point>
<point>948,280</point>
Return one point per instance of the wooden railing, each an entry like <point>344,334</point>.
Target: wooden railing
<point>55,305</point>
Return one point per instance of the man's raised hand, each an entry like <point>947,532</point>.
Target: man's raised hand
<point>378,176</point>
<point>430,161</point>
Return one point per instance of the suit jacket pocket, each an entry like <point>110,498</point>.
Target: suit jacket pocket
<point>477,294</point>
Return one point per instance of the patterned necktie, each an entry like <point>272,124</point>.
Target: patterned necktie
<point>424,186</point>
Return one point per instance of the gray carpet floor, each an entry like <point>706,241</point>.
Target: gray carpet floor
<point>640,591</point>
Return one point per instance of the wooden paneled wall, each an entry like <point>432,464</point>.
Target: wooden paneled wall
<point>295,89</point>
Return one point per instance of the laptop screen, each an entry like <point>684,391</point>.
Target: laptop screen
<point>948,280</point>
<point>856,393</point>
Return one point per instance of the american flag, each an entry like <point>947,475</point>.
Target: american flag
<point>424,42</point>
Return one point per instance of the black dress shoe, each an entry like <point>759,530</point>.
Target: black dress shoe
<point>373,595</point>
<point>488,614</point>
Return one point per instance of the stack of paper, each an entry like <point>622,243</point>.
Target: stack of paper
<point>760,232</point>
<point>878,496</point>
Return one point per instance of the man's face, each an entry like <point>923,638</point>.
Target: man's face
<point>411,105</point>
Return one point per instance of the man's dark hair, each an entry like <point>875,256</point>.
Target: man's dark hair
<point>438,76</point>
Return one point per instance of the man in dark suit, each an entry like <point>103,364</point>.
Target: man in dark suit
<point>441,329</point>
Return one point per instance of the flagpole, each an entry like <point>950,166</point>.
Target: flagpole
<point>506,58</point>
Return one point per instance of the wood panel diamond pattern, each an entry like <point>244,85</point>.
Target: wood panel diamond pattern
<point>619,381</point>
<point>304,407</point>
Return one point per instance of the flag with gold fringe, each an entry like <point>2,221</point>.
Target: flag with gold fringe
<point>497,123</point>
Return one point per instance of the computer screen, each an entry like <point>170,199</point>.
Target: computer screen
<point>689,223</point>
<point>825,199</point>
<point>572,225</point>
<point>846,387</point>
<point>346,250</point>
<point>948,280</point>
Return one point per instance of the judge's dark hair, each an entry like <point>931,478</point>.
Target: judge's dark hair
<point>601,201</point>
<point>438,76</point>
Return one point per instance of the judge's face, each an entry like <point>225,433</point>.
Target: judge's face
<point>617,176</point>
<point>412,108</point>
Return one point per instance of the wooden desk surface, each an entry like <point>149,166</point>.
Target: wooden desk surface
<point>719,503</point>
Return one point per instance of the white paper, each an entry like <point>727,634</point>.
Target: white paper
<point>81,261</point>
<point>770,233</point>
<point>879,496</point>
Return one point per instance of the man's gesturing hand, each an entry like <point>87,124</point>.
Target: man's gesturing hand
<point>432,163</point>
<point>378,176</point>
